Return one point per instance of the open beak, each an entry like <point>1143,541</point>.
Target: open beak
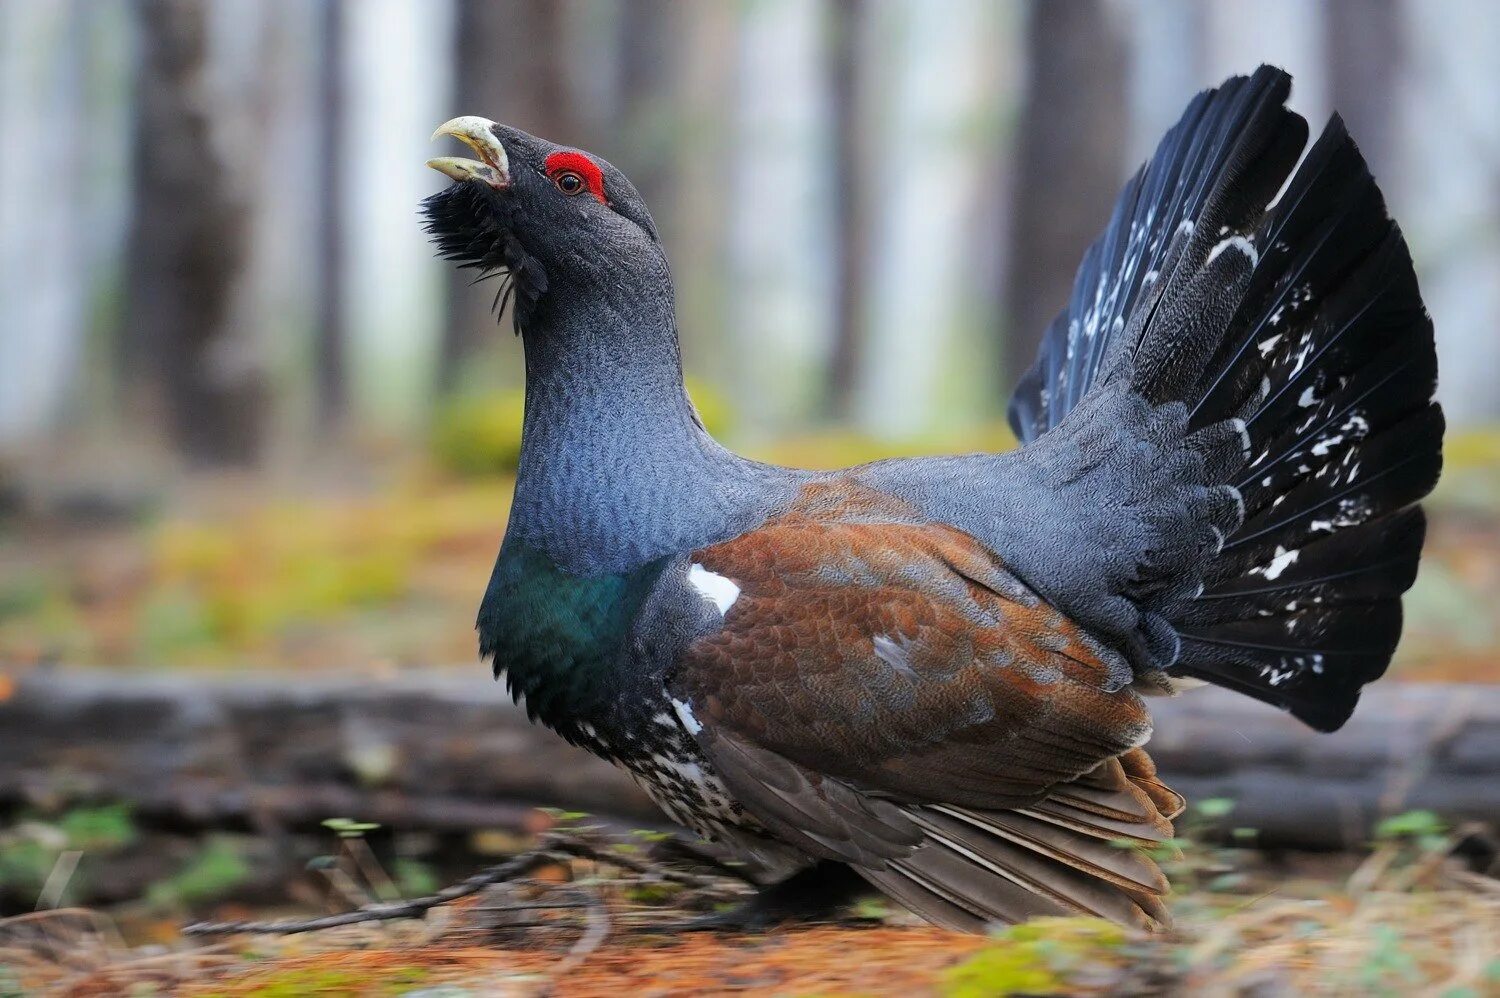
<point>493,166</point>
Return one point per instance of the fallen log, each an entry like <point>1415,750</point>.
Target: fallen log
<point>447,751</point>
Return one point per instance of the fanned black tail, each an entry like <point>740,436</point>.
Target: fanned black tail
<point>1299,333</point>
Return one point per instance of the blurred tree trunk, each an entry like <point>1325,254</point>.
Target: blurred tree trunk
<point>706,67</point>
<point>50,230</point>
<point>1072,139</point>
<point>512,66</point>
<point>331,382</point>
<point>188,246</point>
<point>1364,50</point>
<point>851,191</point>
<point>647,88</point>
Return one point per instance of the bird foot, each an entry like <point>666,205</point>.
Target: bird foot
<point>817,894</point>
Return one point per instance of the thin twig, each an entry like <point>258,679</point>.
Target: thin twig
<point>554,848</point>
<point>593,937</point>
<point>583,849</point>
<point>385,911</point>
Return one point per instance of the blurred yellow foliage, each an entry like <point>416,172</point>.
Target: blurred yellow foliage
<point>481,434</point>
<point>245,580</point>
<point>394,575</point>
<point>842,448</point>
<point>1473,449</point>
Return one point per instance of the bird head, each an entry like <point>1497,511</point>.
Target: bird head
<point>556,220</point>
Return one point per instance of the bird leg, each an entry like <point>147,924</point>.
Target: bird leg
<point>811,895</point>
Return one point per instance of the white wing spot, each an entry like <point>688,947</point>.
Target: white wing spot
<point>685,715</point>
<point>718,590</point>
<point>893,654</point>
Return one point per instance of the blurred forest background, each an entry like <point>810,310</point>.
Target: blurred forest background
<point>246,418</point>
<point>250,429</point>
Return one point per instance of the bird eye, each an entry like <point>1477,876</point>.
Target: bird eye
<point>569,182</point>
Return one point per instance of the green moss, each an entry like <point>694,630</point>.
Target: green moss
<point>1036,957</point>
<point>654,894</point>
<point>339,982</point>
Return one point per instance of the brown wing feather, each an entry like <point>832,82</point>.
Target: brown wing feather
<point>903,657</point>
<point>885,693</point>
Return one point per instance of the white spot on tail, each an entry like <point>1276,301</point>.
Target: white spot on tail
<point>718,590</point>
<point>685,715</point>
<point>1280,563</point>
<point>1243,430</point>
<point>1240,243</point>
<point>1322,447</point>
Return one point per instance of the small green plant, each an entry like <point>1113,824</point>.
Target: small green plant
<point>1213,808</point>
<point>217,869</point>
<point>650,836</point>
<point>107,829</point>
<point>1389,968</point>
<point>653,893</point>
<point>1422,829</point>
<point>348,828</point>
<point>30,849</point>
<point>414,877</point>
<point>1190,860</point>
<point>563,817</point>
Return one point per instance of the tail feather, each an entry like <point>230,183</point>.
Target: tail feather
<point>1351,481</point>
<point>1334,570</point>
<point>1219,138</point>
<point>975,867</point>
<point>1298,327</point>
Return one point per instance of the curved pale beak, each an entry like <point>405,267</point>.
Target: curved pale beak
<point>493,166</point>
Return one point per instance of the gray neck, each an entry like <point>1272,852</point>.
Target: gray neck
<point>616,471</point>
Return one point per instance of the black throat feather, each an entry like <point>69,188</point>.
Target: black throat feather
<point>469,224</point>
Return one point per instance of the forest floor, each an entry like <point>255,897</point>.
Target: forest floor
<point>1410,918</point>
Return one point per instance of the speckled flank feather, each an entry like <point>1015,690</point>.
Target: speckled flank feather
<point>1300,329</point>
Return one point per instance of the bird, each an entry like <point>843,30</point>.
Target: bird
<point>930,677</point>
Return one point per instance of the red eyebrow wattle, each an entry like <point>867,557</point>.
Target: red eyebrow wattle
<point>577,162</point>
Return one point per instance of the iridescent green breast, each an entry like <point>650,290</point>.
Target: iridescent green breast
<point>561,639</point>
